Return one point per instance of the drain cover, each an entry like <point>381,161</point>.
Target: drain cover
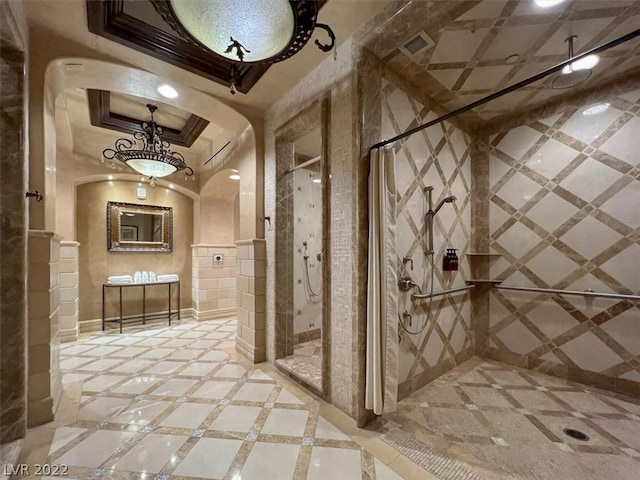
<point>576,434</point>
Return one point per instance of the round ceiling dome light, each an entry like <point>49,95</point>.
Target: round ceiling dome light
<point>548,3</point>
<point>512,59</point>
<point>167,91</point>
<point>235,175</point>
<point>256,31</point>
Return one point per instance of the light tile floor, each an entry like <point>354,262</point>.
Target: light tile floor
<point>501,422</point>
<point>196,410</point>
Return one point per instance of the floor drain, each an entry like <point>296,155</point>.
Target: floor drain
<point>576,434</point>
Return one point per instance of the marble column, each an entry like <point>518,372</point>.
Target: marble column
<point>69,296</point>
<point>13,238</point>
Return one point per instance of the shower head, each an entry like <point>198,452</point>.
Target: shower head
<point>571,79</point>
<point>574,73</point>
<point>449,199</point>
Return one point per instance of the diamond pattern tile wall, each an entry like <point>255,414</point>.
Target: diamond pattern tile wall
<point>439,157</point>
<point>564,214</point>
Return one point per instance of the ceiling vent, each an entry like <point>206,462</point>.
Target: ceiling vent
<point>418,45</point>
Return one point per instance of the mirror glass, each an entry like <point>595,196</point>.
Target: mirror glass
<point>134,227</point>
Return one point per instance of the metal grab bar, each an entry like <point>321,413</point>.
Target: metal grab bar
<point>417,296</point>
<point>571,292</point>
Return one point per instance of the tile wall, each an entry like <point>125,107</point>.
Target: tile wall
<point>250,302</point>
<point>440,157</point>
<point>213,282</point>
<point>564,193</point>
<point>69,296</point>
<point>307,291</point>
<point>44,385</point>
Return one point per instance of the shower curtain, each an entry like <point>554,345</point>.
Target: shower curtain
<point>382,290</point>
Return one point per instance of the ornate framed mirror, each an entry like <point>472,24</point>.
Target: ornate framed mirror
<point>139,228</point>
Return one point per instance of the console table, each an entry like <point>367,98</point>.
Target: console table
<point>145,316</point>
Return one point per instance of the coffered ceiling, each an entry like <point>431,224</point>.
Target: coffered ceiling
<point>473,40</point>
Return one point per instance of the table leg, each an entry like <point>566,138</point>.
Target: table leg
<point>103,300</point>
<point>144,301</point>
<point>120,308</point>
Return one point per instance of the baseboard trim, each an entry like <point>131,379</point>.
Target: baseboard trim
<point>95,324</point>
<point>214,314</point>
<point>253,354</point>
<point>68,335</point>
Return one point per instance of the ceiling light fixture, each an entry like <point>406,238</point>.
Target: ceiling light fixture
<point>147,153</point>
<point>512,59</point>
<point>548,3</point>
<point>259,31</point>
<point>234,176</point>
<point>167,91</point>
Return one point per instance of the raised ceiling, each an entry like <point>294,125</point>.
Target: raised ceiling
<point>474,38</point>
<point>126,113</point>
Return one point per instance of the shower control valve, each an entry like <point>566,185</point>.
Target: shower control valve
<point>406,260</point>
<point>406,283</point>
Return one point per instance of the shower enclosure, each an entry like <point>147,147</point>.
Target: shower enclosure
<point>302,302</point>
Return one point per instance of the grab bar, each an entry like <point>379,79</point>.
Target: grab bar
<point>417,296</point>
<point>570,292</point>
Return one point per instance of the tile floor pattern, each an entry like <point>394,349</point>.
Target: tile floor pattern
<point>306,362</point>
<point>170,403</point>
<point>507,423</point>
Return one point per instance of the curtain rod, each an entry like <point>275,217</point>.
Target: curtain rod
<point>515,86</point>
<point>304,164</point>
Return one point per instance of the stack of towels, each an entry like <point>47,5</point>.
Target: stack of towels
<point>168,277</point>
<point>120,279</point>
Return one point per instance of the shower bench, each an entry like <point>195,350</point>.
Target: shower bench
<point>121,319</point>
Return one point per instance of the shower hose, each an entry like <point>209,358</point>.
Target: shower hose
<point>426,321</point>
<point>312,294</point>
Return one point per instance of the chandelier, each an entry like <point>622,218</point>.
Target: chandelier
<point>255,31</point>
<point>147,153</point>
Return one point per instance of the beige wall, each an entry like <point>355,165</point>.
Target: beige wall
<point>96,263</point>
<point>218,210</point>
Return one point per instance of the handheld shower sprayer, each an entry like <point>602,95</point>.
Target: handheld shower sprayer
<point>431,213</point>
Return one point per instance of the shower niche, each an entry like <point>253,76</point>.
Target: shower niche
<point>301,296</point>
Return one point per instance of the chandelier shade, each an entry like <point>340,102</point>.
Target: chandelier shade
<point>147,153</point>
<point>256,31</point>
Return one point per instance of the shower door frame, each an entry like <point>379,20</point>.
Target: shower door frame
<point>317,114</point>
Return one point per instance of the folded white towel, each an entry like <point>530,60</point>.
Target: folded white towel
<point>120,278</point>
<point>169,277</point>
<point>120,282</point>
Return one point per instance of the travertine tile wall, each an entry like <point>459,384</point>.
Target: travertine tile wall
<point>307,228</point>
<point>337,79</point>
<point>250,280</point>
<point>213,283</point>
<point>440,157</point>
<point>564,193</point>
<point>69,296</point>
<point>44,379</point>
<point>13,234</point>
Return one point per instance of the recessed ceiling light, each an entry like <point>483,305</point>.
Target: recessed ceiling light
<point>167,91</point>
<point>511,59</point>
<point>596,109</point>
<point>110,177</point>
<point>586,63</point>
<point>548,3</point>
<point>234,176</point>
<point>171,185</point>
<point>316,180</point>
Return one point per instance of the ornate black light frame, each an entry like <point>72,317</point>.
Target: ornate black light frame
<point>153,147</point>
<point>305,16</point>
